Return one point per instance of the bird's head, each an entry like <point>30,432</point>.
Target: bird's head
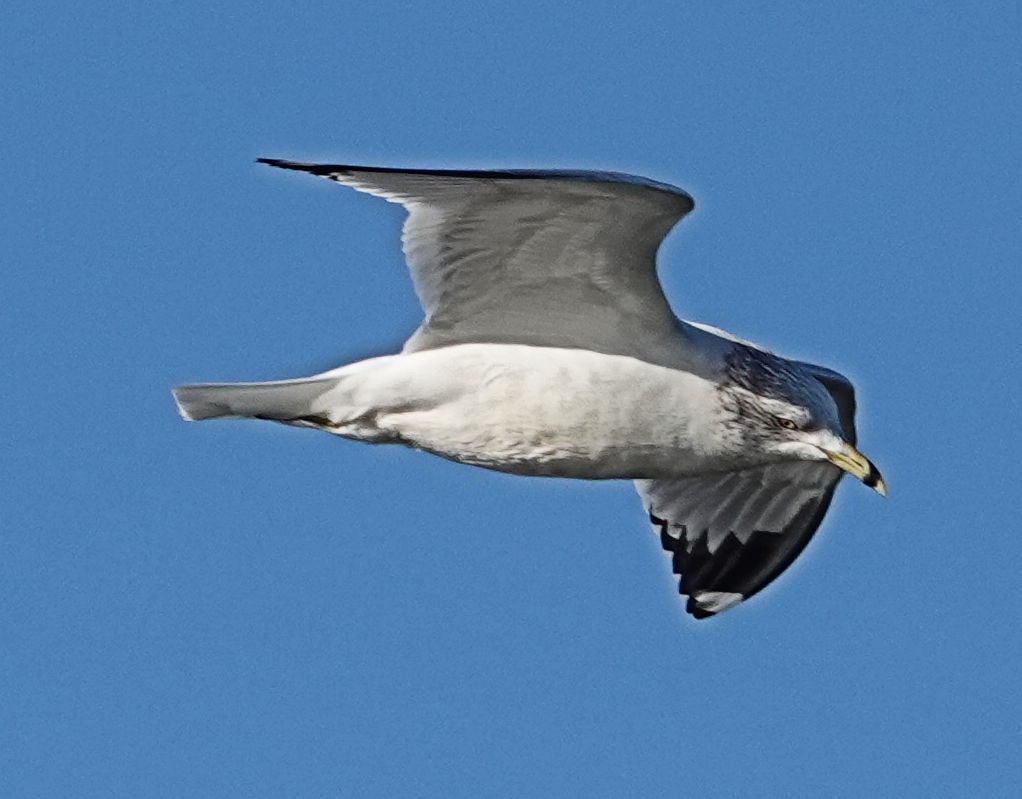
<point>780,409</point>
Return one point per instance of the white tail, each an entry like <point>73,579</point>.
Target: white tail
<point>281,401</point>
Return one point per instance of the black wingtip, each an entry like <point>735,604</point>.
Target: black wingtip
<point>696,611</point>
<point>298,166</point>
<point>280,163</point>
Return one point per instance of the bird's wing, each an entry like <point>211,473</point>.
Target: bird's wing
<point>531,257</point>
<point>843,392</point>
<point>730,534</point>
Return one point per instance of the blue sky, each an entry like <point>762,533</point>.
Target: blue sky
<point>236,609</point>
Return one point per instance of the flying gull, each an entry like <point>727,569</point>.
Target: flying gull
<point>548,348</point>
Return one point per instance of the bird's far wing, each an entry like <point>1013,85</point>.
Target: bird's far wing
<point>730,534</point>
<point>555,258</point>
<point>841,389</point>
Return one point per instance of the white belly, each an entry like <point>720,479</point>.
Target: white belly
<point>532,410</point>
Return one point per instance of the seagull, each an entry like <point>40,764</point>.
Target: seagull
<point>549,349</point>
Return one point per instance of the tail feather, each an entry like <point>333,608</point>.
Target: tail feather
<point>282,401</point>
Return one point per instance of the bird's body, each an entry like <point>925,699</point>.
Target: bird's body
<point>548,349</point>
<point>540,411</point>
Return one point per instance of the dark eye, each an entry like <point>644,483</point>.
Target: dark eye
<point>787,424</point>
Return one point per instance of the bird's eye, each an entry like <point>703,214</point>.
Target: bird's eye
<point>787,424</point>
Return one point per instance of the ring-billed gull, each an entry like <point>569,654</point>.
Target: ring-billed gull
<point>548,348</point>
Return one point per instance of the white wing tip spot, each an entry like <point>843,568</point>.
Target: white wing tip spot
<point>716,601</point>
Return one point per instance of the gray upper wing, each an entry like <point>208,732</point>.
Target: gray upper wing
<point>730,534</point>
<point>552,258</point>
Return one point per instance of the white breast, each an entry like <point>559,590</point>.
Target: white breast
<point>537,410</point>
